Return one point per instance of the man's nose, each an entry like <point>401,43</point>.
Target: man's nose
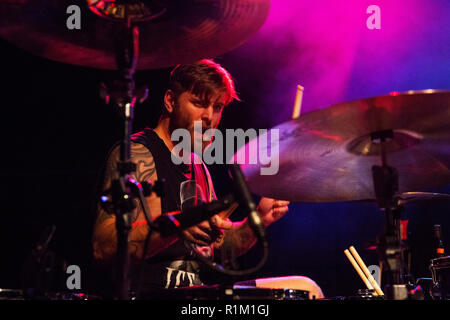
<point>207,115</point>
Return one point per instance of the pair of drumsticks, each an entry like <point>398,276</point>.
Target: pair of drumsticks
<point>362,271</point>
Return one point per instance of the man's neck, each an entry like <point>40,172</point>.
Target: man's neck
<point>163,132</point>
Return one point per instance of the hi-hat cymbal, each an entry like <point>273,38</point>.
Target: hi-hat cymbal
<point>327,155</point>
<point>171,32</point>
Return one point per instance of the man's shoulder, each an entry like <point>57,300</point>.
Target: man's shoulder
<point>149,139</point>
<point>145,134</point>
<point>139,150</point>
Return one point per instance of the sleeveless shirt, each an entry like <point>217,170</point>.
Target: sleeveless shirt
<point>175,266</point>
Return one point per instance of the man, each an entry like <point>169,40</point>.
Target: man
<point>197,92</point>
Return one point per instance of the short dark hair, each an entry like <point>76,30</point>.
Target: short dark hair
<point>203,78</point>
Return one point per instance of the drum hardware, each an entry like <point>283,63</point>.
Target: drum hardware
<point>218,292</point>
<point>440,247</point>
<point>11,294</point>
<point>251,293</point>
<point>361,294</point>
<point>63,295</point>
<point>423,288</point>
<point>42,269</point>
<point>339,147</point>
<point>58,295</point>
<point>440,271</point>
<point>392,247</point>
<point>398,291</point>
<point>365,294</point>
<point>385,181</point>
<point>122,196</point>
<point>440,268</point>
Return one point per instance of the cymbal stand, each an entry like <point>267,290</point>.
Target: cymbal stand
<point>124,190</point>
<point>391,247</point>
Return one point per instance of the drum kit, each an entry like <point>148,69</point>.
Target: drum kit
<point>380,149</point>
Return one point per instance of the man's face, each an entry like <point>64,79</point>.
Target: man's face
<point>189,108</point>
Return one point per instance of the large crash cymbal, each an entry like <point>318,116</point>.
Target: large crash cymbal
<point>408,197</point>
<point>327,155</point>
<point>171,31</point>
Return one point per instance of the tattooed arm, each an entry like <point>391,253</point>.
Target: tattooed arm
<point>105,236</point>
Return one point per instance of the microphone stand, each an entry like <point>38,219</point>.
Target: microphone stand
<point>124,203</point>
<point>124,189</point>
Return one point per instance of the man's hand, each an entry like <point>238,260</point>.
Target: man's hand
<point>207,232</point>
<point>271,210</point>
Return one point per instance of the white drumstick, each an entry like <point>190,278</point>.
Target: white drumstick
<point>358,270</point>
<point>366,271</point>
<point>298,102</point>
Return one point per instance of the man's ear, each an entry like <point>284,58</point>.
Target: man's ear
<point>169,100</point>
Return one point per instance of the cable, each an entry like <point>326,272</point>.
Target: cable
<point>220,268</point>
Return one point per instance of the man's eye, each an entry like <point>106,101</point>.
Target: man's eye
<point>218,107</point>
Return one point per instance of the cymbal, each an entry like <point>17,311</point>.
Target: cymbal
<point>408,197</point>
<point>327,155</point>
<point>171,32</point>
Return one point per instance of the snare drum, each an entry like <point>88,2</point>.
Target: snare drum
<point>440,271</point>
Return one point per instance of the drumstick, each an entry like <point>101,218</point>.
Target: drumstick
<point>227,212</point>
<point>366,271</point>
<point>358,270</point>
<point>224,215</point>
<point>298,102</point>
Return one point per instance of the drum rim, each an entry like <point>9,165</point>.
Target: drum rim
<point>238,292</point>
<point>4,290</point>
<point>441,262</point>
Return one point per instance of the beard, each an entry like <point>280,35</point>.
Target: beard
<point>183,120</point>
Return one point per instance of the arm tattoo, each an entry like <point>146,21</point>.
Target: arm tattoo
<point>145,165</point>
<point>145,169</point>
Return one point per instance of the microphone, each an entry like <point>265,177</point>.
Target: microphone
<point>244,198</point>
<point>169,224</point>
